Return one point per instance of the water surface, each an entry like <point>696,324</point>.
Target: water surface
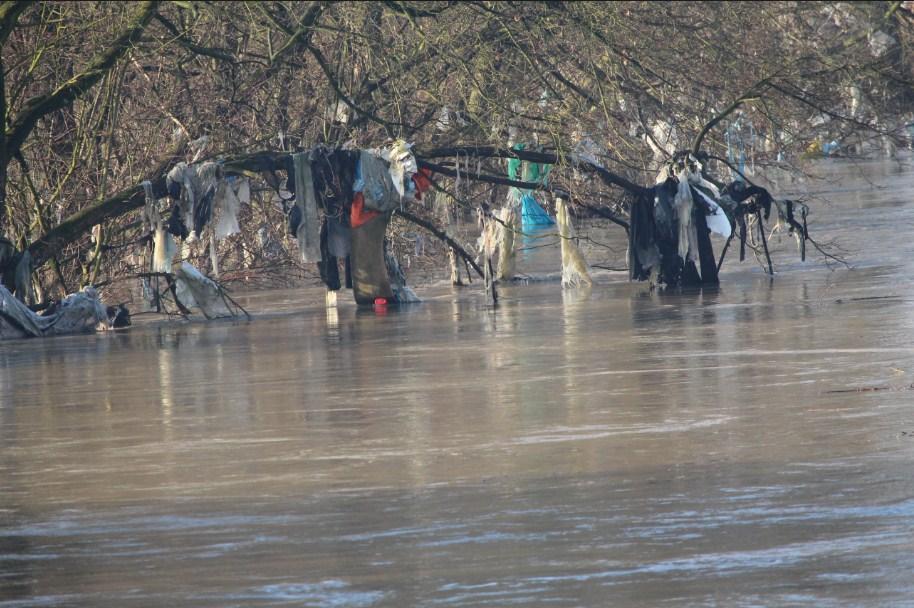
<point>748,446</point>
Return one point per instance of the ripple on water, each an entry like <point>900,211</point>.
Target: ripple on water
<point>329,593</point>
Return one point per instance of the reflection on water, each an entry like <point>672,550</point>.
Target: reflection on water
<point>606,446</point>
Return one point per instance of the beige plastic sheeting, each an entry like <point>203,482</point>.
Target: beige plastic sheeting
<point>575,272</point>
<point>506,232</point>
<point>163,245</point>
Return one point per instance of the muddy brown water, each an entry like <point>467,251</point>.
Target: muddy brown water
<point>749,446</point>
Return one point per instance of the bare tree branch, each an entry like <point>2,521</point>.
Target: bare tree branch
<point>9,15</point>
<point>65,94</point>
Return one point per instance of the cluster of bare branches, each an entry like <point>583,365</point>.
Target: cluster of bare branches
<point>97,97</point>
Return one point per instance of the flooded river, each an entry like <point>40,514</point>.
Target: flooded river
<point>750,446</point>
